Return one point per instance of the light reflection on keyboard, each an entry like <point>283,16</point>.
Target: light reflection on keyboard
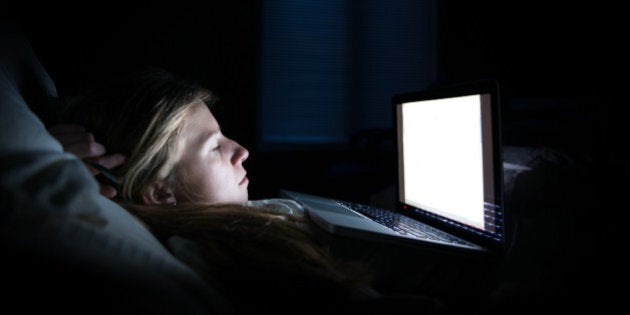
<point>402,224</point>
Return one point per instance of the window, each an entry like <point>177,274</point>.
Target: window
<point>330,68</point>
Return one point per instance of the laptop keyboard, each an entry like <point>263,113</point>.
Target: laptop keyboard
<point>402,224</point>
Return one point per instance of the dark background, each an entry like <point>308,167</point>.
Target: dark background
<point>559,65</point>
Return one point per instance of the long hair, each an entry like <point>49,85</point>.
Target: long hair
<point>256,255</point>
<point>141,116</point>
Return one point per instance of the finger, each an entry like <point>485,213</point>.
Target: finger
<point>111,161</point>
<point>74,137</point>
<point>86,149</point>
<point>108,191</point>
<point>93,170</point>
<point>66,128</point>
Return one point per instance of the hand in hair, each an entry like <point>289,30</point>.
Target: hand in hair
<point>76,140</point>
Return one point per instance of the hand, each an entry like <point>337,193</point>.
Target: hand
<point>76,140</point>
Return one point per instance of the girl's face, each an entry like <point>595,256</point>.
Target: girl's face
<point>210,165</point>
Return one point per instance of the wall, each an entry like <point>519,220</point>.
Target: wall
<point>558,64</point>
<point>83,45</point>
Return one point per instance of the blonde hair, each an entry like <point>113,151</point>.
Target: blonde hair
<point>245,249</point>
<point>141,116</point>
<point>152,158</point>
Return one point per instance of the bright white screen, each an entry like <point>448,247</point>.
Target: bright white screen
<point>442,157</point>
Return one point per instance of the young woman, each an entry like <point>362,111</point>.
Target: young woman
<point>185,180</point>
<point>175,151</point>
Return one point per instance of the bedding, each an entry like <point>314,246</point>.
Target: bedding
<point>64,246</point>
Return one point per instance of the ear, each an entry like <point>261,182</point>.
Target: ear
<point>158,193</point>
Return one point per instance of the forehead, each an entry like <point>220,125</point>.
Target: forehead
<point>199,126</point>
<point>200,117</point>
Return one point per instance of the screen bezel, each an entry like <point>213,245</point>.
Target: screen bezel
<point>494,241</point>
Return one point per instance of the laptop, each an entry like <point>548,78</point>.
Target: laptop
<point>449,193</point>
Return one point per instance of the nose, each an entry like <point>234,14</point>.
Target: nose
<point>240,154</point>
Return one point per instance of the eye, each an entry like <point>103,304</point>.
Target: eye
<point>217,148</point>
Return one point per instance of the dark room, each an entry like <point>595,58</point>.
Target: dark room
<point>307,97</point>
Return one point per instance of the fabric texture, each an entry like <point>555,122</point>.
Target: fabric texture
<point>280,205</point>
<point>64,246</point>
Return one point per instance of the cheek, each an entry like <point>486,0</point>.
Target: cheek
<point>206,182</point>
<point>211,175</point>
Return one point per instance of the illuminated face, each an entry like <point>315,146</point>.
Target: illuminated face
<point>210,165</point>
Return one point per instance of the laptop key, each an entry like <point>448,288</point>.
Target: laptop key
<point>403,225</point>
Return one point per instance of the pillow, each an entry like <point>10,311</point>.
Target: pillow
<point>66,247</point>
